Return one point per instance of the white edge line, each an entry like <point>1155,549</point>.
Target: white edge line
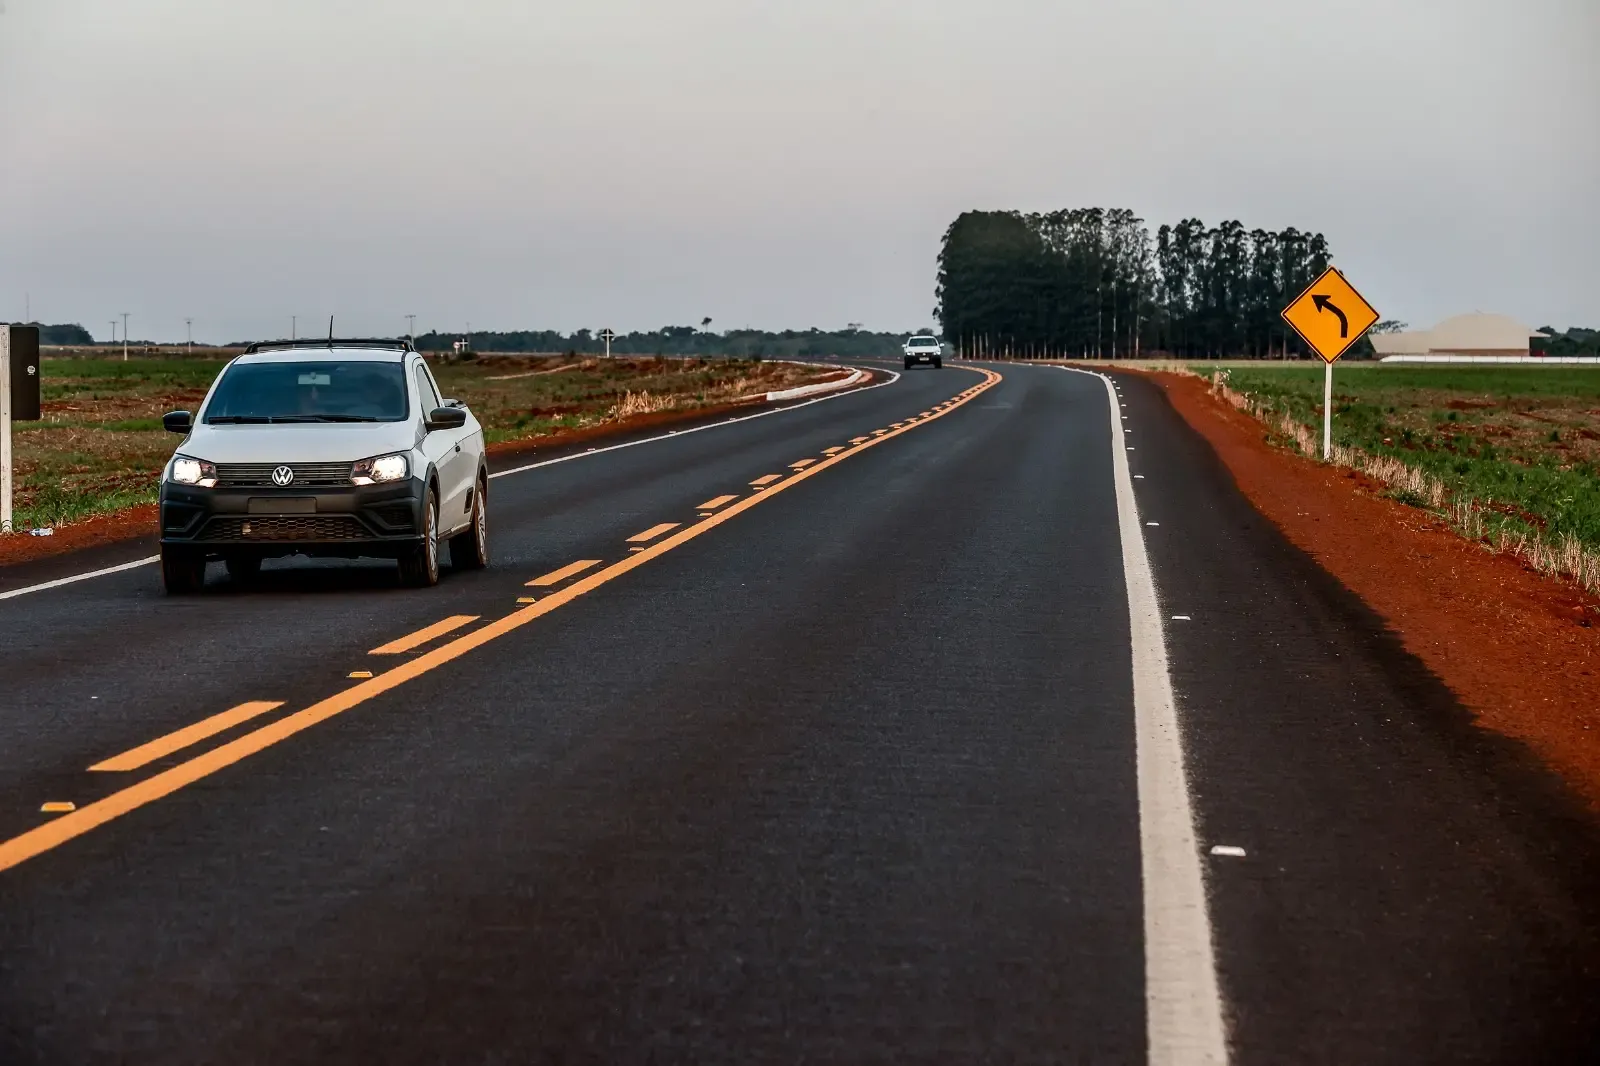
<point>58,582</point>
<point>1183,1006</point>
<point>893,377</point>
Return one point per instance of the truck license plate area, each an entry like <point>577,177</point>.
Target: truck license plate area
<point>282,505</point>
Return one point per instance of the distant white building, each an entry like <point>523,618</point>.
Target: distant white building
<point>1475,336</point>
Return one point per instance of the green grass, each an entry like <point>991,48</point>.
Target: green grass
<point>1524,442</point>
<point>101,445</point>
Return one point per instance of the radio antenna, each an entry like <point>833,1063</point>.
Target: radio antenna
<point>330,331</point>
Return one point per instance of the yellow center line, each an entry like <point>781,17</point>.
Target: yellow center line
<point>179,739</point>
<point>834,450</point>
<point>858,440</point>
<point>712,505</point>
<point>422,636</point>
<point>58,807</point>
<point>556,577</point>
<point>24,846</point>
<point>653,532</point>
<point>802,464</point>
<point>767,479</point>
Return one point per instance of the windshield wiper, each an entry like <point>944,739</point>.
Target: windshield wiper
<point>321,418</point>
<point>263,419</point>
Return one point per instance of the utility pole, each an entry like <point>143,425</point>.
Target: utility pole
<point>188,324</point>
<point>124,336</point>
<point>411,328</point>
<point>113,333</point>
<point>293,325</point>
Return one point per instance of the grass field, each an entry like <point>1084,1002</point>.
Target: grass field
<point>100,446</point>
<point>1517,447</point>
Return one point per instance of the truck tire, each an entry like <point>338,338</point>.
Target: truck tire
<point>469,549</point>
<point>419,567</point>
<point>183,570</point>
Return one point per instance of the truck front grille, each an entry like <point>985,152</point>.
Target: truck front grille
<point>286,527</point>
<point>259,475</point>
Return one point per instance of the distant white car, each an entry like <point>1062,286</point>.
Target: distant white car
<point>325,448</point>
<point>923,349</point>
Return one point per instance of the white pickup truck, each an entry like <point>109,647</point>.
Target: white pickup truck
<point>923,349</point>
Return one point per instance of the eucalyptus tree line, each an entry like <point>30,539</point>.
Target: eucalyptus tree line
<point>1092,283</point>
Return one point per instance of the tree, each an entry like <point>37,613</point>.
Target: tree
<point>1091,280</point>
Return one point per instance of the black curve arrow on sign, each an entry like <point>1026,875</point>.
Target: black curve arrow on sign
<point>1325,304</point>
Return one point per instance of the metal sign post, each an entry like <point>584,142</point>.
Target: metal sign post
<point>607,336</point>
<point>5,429</point>
<point>1330,316</point>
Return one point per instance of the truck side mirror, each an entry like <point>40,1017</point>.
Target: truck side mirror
<point>177,421</point>
<point>447,418</point>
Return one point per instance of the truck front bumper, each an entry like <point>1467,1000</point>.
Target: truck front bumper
<point>348,521</point>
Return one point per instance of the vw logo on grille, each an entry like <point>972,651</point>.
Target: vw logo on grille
<point>282,476</point>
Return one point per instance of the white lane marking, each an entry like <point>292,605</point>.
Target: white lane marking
<point>58,582</point>
<point>1139,477</point>
<point>1183,1007</point>
<point>893,377</point>
<point>1230,850</point>
<point>1181,618</point>
<point>1152,523</point>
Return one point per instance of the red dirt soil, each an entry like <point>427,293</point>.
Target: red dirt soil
<point>1520,650</point>
<point>101,529</point>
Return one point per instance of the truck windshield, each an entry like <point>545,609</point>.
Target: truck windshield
<point>322,391</point>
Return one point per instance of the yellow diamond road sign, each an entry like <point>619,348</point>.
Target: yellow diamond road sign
<point>1331,315</point>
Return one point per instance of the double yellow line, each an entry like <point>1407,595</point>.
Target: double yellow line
<point>21,848</point>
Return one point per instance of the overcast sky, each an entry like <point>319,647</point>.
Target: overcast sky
<point>772,163</point>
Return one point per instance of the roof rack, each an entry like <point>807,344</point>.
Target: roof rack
<point>332,342</point>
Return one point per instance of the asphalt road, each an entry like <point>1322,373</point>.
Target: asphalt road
<point>867,764</point>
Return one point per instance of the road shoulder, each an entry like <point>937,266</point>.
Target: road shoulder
<point>1517,649</point>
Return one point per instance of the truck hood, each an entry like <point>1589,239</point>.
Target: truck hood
<point>296,442</point>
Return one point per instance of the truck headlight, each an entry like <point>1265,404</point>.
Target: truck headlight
<point>196,472</point>
<point>379,470</point>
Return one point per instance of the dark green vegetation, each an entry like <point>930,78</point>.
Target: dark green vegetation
<point>64,334</point>
<point>101,447</point>
<point>1574,341</point>
<point>1091,283</point>
<point>1523,442</point>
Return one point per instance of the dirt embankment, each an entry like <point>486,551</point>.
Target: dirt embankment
<point>1520,650</point>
